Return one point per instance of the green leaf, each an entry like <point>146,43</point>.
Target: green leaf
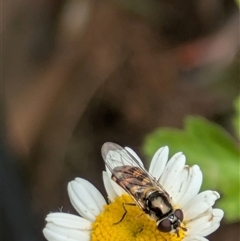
<point>213,149</point>
<point>236,118</point>
<point>238,3</point>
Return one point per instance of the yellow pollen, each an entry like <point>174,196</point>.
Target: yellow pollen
<point>134,226</point>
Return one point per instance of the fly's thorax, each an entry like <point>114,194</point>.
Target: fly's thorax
<point>158,204</point>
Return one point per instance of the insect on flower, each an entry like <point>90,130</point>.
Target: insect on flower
<point>147,193</point>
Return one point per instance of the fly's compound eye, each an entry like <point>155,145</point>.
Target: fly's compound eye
<point>164,226</point>
<point>179,214</point>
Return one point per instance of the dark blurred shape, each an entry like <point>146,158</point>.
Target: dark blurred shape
<point>181,21</point>
<point>17,221</point>
<point>229,232</point>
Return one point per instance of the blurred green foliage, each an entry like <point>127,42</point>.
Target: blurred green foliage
<point>236,119</point>
<point>238,2</point>
<point>213,149</point>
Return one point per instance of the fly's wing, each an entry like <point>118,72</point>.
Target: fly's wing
<point>127,169</point>
<point>117,156</point>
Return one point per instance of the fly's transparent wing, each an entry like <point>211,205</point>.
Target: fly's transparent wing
<point>118,156</point>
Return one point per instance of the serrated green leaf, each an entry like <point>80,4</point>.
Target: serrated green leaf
<point>213,149</point>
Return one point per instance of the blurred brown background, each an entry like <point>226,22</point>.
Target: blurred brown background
<point>78,73</point>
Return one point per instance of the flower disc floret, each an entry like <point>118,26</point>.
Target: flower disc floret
<point>135,226</point>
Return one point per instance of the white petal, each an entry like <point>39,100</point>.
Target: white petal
<point>178,188</point>
<point>64,226</point>
<point>52,232</point>
<point>53,236</point>
<point>217,216</point>
<point>200,204</point>
<point>158,162</point>
<point>93,191</point>
<point>85,198</point>
<point>211,229</point>
<point>173,168</point>
<point>206,223</point>
<point>192,185</point>
<point>108,187</point>
<point>69,220</point>
<point>175,163</point>
<point>195,238</point>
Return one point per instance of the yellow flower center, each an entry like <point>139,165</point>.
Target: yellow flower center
<point>135,226</point>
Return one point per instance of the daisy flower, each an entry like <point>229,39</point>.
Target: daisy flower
<point>120,220</point>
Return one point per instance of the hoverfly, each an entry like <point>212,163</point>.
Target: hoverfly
<point>147,193</point>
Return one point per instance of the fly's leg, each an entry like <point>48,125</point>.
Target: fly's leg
<point>139,215</point>
<point>125,211</point>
